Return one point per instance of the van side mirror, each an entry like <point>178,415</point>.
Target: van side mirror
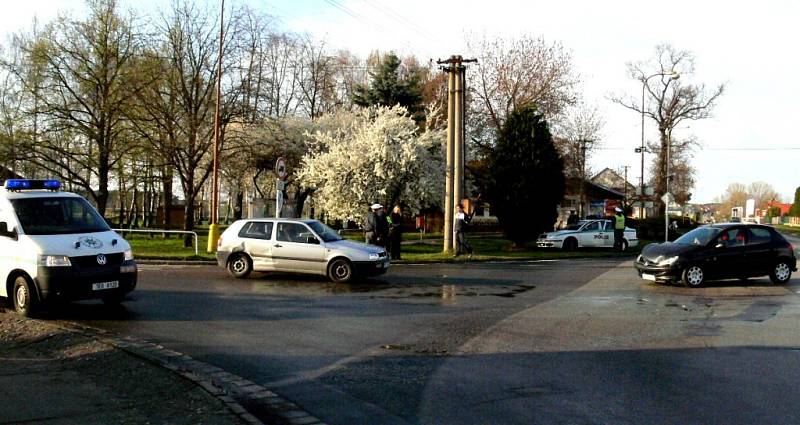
<point>7,233</point>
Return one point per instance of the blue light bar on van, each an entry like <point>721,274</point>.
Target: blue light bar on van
<point>24,184</point>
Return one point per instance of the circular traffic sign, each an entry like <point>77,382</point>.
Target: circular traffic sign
<point>280,167</point>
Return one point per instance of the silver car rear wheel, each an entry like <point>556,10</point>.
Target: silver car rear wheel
<point>240,266</point>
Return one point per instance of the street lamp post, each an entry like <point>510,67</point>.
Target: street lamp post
<point>673,75</point>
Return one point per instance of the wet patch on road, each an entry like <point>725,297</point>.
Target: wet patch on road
<point>722,289</point>
<point>453,292</point>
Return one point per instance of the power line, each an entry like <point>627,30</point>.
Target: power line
<point>717,149</point>
<point>402,20</point>
<point>336,4</point>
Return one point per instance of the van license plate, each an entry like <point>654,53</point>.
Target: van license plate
<point>105,285</point>
<point>649,277</point>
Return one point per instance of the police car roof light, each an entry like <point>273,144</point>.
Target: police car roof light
<point>24,184</point>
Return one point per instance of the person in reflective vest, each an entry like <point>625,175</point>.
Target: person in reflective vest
<point>619,229</point>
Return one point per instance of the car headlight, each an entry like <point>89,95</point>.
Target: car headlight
<point>374,256</point>
<point>54,261</point>
<point>128,255</point>
<point>667,261</point>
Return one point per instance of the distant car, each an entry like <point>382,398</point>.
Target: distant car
<point>719,251</point>
<point>587,234</point>
<point>296,246</point>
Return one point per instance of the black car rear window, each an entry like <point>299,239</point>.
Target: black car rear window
<point>759,235</point>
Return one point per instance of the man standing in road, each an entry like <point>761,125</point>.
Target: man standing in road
<point>619,228</point>
<point>371,225</point>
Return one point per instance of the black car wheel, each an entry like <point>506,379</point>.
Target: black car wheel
<point>570,244</point>
<point>25,301</point>
<point>781,273</point>
<point>340,270</point>
<point>693,276</point>
<point>240,266</point>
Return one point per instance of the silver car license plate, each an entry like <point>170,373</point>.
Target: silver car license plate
<point>649,277</point>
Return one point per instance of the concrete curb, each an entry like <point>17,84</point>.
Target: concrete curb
<point>252,403</point>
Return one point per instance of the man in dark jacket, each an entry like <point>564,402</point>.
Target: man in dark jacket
<point>382,226</point>
<point>395,232</point>
<point>461,222</point>
<point>371,225</point>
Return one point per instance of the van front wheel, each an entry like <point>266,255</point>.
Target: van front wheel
<point>25,300</point>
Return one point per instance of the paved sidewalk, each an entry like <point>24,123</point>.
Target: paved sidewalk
<point>49,375</point>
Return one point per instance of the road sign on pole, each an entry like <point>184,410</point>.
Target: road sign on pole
<point>280,168</point>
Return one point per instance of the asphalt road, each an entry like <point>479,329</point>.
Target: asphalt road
<point>580,341</point>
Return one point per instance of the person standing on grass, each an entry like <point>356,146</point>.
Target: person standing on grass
<point>462,220</point>
<point>395,232</point>
<point>371,225</point>
<point>382,226</point>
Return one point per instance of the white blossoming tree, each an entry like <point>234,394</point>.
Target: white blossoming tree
<point>375,154</point>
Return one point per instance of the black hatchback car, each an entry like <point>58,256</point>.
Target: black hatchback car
<point>719,251</point>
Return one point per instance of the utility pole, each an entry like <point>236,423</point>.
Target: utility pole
<point>454,171</point>
<point>213,228</point>
<point>582,213</point>
<point>625,185</point>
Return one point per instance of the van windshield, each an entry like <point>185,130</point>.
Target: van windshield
<point>57,216</point>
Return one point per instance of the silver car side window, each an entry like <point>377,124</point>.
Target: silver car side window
<point>293,232</point>
<point>257,230</point>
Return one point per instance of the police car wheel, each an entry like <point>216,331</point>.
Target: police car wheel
<point>240,266</point>
<point>25,301</point>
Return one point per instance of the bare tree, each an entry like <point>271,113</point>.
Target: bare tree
<point>178,107</point>
<point>86,72</point>
<point>762,193</point>
<point>669,102</point>
<point>577,134</point>
<point>513,72</point>
<point>735,196</point>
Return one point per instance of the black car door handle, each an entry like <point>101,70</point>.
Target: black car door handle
<point>277,245</point>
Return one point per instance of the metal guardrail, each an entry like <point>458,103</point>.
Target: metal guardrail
<point>180,232</point>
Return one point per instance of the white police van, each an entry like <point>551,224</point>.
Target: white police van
<point>54,246</point>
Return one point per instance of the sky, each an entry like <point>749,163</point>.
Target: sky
<point>748,46</point>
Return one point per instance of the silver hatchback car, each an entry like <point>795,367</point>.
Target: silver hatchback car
<point>296,246</point>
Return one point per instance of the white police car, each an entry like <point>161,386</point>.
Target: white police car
<point>54,246</point>
<point>587,234</point>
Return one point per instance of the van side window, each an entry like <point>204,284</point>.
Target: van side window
<point>257,230</point>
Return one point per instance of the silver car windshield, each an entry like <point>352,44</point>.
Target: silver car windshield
<point>326,233</point>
